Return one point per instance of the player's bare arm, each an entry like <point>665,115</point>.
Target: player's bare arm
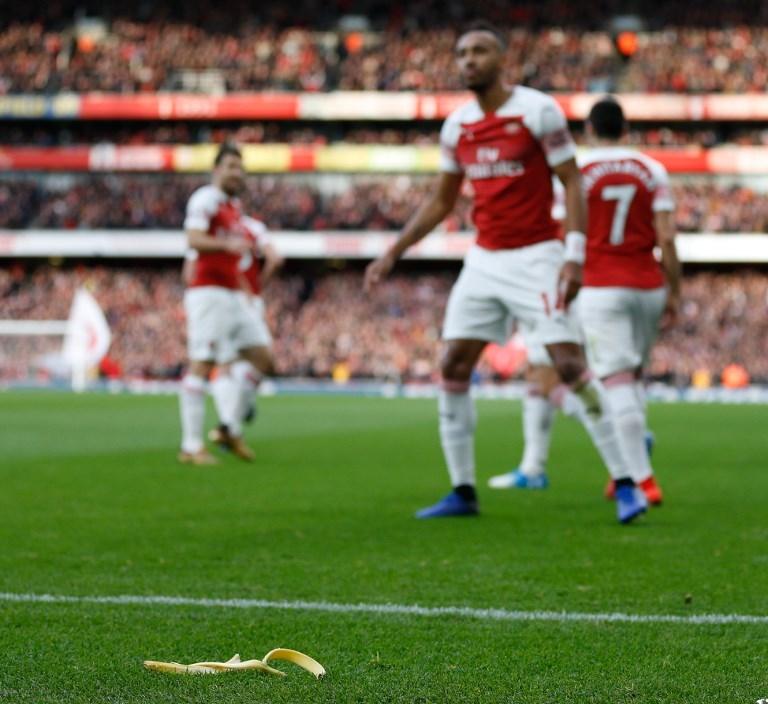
<point>575,224</point>
<point>429,215</point>
<point>203,242</point>
<point>188,271</point>
<point>273,261</point>
<point>664,222</point>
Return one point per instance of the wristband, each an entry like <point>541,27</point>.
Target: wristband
<point>575,247</point>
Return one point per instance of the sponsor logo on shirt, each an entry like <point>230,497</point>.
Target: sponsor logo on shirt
<point>488,154</point>
<point>489,166</point>
<point>500,169</point>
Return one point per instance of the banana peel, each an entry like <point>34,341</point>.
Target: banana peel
<point>235,664</point>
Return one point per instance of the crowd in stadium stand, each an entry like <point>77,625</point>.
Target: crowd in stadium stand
<point>713,207</point>
<point>324,327</point>
<point>31,133</point>
<point>136,56</point>
<point>290,203</point>
<point>699,61</point>
<point>229,15</point>
<point>141,134</point>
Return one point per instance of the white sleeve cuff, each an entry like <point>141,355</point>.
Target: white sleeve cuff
<point>575,247</point>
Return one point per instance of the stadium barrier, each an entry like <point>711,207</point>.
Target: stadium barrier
<point>340,158</point>
<point>509,391</point>
<point>356,105</point>
<point>705,248</point>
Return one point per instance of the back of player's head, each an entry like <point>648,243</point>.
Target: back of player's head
<point>488,27</point>
<point>227,149</point>
<point>607,119</point>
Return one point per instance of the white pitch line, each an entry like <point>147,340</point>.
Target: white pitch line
<point>396,609</point>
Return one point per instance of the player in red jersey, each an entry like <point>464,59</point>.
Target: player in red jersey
<point>625,294</point>
<point>220,234</point>
<point>253,340</point>
<point>508,142</point>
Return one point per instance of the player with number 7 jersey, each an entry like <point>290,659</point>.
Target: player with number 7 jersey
<point>626,289</point>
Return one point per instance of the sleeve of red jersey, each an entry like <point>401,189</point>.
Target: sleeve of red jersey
<point>663,200</point>
<point>449,139</point>
<point>199,211</point>
<point>551,129</point>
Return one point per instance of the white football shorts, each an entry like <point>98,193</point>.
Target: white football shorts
<point>214,316</point>
<point>620,326</point>
<point>498,289</point>
<point>252,330</point>
<point>537,355</point>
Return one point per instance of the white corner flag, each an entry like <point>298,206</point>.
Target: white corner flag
<point>87,338</point>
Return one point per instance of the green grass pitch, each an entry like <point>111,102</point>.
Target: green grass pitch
<point>93,503</point>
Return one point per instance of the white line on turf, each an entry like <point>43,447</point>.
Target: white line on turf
<point>396,609</point>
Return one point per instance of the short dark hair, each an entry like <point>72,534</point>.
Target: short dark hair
<point>607,118</point>
<point>227,149</point>
<point>486,26</point>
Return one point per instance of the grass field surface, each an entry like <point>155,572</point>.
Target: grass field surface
<point>93,504</point>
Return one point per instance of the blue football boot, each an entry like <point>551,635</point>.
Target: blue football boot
<point>451,505</point>
<point>630,503</point>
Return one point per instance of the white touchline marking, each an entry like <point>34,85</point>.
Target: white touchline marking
<point>397,609</point>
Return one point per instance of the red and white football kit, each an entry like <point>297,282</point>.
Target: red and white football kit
<point>211,300</point>
<point>510,274</point>
<point>623,294</point>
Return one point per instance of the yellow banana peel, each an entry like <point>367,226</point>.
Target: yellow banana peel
<point>304,661</point>
<point>235,664</point>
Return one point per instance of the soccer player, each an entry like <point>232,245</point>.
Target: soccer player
<point>627,293</point>
<point>625,297</point>
<point>507,142</point>
<point>235,402</point>
<point>217,230</point>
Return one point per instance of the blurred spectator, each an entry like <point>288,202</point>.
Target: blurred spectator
<point>723,320</point>
<point>45,134</point>
<point>34,133</point>
<point>139,57</point>
<point>324,328</point>
<point>734,376</point>
<point>230,15</point>
<point>689,60</point>
<point>167,54</point>
<point>708,206</point>
<point>301,203</point>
